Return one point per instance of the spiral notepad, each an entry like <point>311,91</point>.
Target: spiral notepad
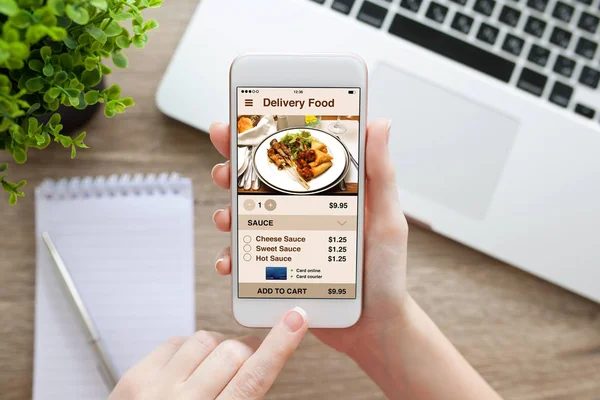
<point>128,242</point>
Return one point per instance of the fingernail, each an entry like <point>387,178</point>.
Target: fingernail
<point>388,129</point>
<point>219,261</point>
<point>295,319</point>
<point>213,125</point>
<point>219,165</point>
<point>215,214</point>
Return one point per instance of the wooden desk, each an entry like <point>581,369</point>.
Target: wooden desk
<point>529,339</point>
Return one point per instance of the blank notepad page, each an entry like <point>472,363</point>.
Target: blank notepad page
<point>128,243</point>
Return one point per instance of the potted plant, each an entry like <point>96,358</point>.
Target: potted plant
<point>52,57</point>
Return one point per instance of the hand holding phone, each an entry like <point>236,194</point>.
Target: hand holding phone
<point>386,233</point>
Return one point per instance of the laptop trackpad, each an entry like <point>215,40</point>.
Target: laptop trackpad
<point>445,147</point>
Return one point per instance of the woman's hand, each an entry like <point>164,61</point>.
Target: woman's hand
<point>385,241</point>
<point>205,366</point>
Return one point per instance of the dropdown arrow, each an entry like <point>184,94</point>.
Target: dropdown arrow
<point>342,223</point>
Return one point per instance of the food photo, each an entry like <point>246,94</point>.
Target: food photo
<point>297,154</point>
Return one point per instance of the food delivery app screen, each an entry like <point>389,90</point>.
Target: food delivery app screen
<point>297,192</point>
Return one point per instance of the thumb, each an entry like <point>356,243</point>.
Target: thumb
<point>384,212</point>
<point>255,377</point>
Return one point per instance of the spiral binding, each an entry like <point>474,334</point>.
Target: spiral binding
<point>114,186</point>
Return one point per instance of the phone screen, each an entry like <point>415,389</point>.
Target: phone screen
<point>297,192</point>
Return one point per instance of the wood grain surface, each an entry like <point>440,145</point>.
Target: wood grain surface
<point>528,338</point>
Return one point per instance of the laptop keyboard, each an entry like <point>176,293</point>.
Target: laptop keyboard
<point>547,48</point>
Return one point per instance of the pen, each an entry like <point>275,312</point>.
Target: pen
<point>105,365</point>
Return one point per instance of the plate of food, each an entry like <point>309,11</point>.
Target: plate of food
<point>301,161</point>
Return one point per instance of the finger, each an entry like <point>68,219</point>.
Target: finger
<point>151,365</point>
<point>223,263</point>
<point>190,355</point>
<point>256,376</point>
<point>382,191</point>
<point>209,379</point>
<point>222,219</point>
<point>219,136</point>
<point>221,175</point>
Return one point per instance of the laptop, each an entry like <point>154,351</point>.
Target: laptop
<point>495,107</point>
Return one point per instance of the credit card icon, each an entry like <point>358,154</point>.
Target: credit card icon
<point>276,273</point>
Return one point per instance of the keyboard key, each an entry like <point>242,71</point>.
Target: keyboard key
<point>487,33</point>
<point>462,23</point>
<point>510,16</point>
<point>513,44</point>
<point>319,1</point>
<point>411,5</point>
<point>564,66</point>
<point>535,26</point>
<point>585,111</point>
<point>372,14</point>
<point>561,94</point>
<point>590,77</point>
<point>539,5</point>
<point>586,48</point>
<point>461,2</point>
<point>532,82</point>
<point>538,55</point>
<point>560,37</point>
<point>343,6</point>
<point>588,22</point>
<point>455,49</point>
<point>437,12</point>
<point>563,11</point>
<point>484,7</point>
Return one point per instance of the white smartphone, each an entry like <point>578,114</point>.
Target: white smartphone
<point>297,155</point>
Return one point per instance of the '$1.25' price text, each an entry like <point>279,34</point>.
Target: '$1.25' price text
<point>336,259</point>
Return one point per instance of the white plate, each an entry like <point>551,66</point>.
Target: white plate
<point>283,181</point>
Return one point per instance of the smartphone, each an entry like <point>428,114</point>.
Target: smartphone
<point>297,155</point>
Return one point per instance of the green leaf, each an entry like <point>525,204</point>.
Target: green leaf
<point>92,96</point>
<point>72,93</point>
<point>21,19</point>
<point>127,102</point>
<point>101,4</point>
<point>79,15</point>
<point>138,30</point>
<point>96,33</point>
<point>113,93</point>
<point>150,24</point>
<point>10,35</point>
<point>73,151</point>
<point>91,78</point>
<point>122,16</point>
<point>155,3</point>
<point>65,141</point>
<point>57,33</point>
<point>54,120</point>
<point>19,50</point>
<point>123,42</point>
<point>70,43</point>
<point>119,108</point>
<point>120,60</point>
<point>48,70</point>
<point>90,63</point>
<point>35,84</point>
<point>45,16</point>
<point>138,41</point>
<point>113,29</point>
<point>12,200</point>
<point>32,125</point>
<point>60,77</point>
<point>19,154</point>
<point>3,167</point>
<point>36,65</point>
<point>57,7</point>
<point>105,70</point>
<point>79,139</point>
<point>45,52</point>
<point>66,61</point>
<point>53,93</point>
<point>35,33</point>
<point>9,7</point>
